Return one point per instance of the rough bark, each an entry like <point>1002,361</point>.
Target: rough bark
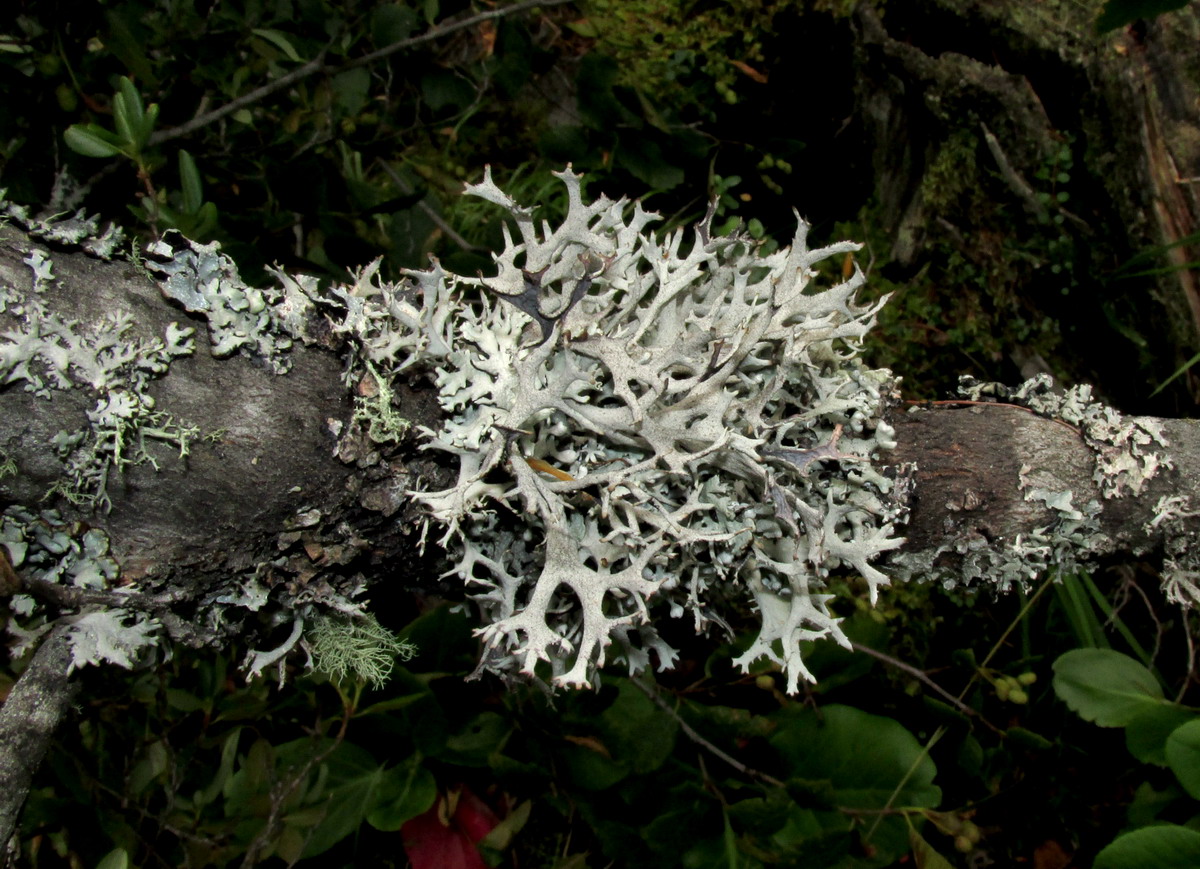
<point>34,709</point>
<point>970,462</point>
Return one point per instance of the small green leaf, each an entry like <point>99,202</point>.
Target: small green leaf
<point>117,858</point>
<point>925,855</point>
<point>405,792</point>
<point>189,179</point>
<point>502,834</point>
<point>1162,847</point>
<point>584,27</point>
<point>224,771</point>
<point>391,23</point>
<point>130,114</point>
<point>1146,735</point>
<point>149,119</point>
<point>351,89</point>
<point>91,141</point>
<point>1183,756</point>
<point>279,40</point>
<point>1105,687</point>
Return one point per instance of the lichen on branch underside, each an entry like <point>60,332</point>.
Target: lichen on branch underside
<point>644,427</point>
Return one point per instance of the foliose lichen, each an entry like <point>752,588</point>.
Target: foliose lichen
<point>1174,518</point>
<point>1126,448</point>
<point>206,281</point>
<point>46,352</point>
<point>43,546</point>
<point>638,422</point>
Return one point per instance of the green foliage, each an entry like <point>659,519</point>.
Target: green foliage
<point>1113,690</point>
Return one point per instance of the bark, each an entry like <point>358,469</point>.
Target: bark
<point>34,708</point>
<point>971,459</point>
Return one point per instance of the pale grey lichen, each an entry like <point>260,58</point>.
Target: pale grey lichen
<point>45,547</point>
<point>45,351</point>
<point>1126,448</point>
<point>76,230</point>
<point>1174,517</point>
<point>639,421</point>
<point>206,281</point>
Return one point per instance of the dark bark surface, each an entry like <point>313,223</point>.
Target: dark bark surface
<point>35,707</point>
<point>963,106</point>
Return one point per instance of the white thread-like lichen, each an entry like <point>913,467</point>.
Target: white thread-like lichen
<point>359,649</point>
<point>638,422</point>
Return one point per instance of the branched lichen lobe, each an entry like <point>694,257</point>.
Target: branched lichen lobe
<point>637,422</point>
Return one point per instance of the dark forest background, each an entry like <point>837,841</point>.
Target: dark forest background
<point>1024,178</point>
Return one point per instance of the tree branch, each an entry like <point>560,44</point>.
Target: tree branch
<point>317,64</point>
<point>34,709</point>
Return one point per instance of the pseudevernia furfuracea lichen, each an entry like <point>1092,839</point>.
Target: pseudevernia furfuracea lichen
<point>644,428</point>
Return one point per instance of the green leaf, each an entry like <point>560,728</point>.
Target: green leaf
<point>189,180</point>
<point>128,111</point>
<point>349,792</point>
<point>1178,372</point>
<point>637,731</point>
<point>391,23</point>
<point>925,855</point>
<point>1183,756</point>
<point>1146,735</point>
<point>350,90</point>
<point>279,40</point>
<point>1105,687</point>
<point>501,835</point>
<point>224,771</point>
<point>483,736</point>
<point>1164,847</point>
<point>871,763</point>
<point>153,764</point>
<point>148,122</point>
<point>584,27</point>
<point>117,858</point>
<point>406,791</point>
<point>866,757</point>
<point>91,140</point>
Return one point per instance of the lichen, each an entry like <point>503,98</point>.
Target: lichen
<point>45,352</point>
<point>360,649</point>
<point>1125,448</point>
<point>638,422</point>
<point>1174,518</point>
<point>205,281</point>
<point>76,230</point>
<point>45,547</point>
